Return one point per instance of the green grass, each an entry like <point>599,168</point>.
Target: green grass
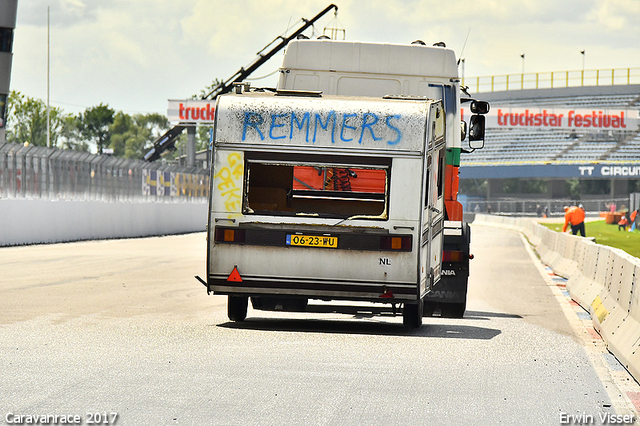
<point>608,235</point>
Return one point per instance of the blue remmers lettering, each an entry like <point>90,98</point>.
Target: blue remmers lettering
<point>253,120</point>
<point>305,118</point>
<point>398,132</point>
<point>318,119</point>
<point>274,125</point>
<point>345,126</point>
<point>249,123</point>
<point>366,126</point>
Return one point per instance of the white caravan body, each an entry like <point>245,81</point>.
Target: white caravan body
<point>326,197</point>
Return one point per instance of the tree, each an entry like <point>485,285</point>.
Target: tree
<point>524,186</point>
<point>202,137</point>
<point>27,121</point>
<point>214,84</point>
<point>157,124</point>
<point>120,132</point>
<point>578,188</point>
<point>152,127</point>
<point>132,137</point>
<point>71,134</point>
<point>95,125</point>
<point>202,142</point>
<point>476,187</point>
<point>129,136</point>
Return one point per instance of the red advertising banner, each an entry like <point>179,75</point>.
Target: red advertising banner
<point>191,111</point>
<point>563,118</point>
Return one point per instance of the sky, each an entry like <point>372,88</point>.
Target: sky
<point>135,55</point>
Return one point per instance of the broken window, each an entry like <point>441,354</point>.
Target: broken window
<point>335,190</point>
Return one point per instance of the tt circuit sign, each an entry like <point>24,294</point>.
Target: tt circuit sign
<point>563,118</point>
<point>559,171</point>
<point>607,171</point>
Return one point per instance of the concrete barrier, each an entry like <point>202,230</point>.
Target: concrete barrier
<point>603,280</point>
<point>26,221</point>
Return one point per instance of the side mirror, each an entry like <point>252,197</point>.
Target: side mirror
<point>463,130</point>
<point>476,131</point>
<point>479,107</point>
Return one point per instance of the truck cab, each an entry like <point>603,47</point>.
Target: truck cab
<point>351,68</point>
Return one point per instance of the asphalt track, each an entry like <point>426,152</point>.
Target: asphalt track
<point>93,328</point>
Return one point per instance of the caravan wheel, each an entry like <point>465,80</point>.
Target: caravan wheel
<point>237,308</point>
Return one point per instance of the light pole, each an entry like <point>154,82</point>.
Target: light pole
<point>582,75</point>
<point>48,70</point>
<point>522,76</point>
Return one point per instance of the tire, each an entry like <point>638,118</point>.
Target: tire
<point>237,308</point>
<point>295,304</point>
<point>256,303</point>
<point>452,310</point>
<point>290,304</point>
<point>429,308</point>
<point>412,314</point>
<point>263,303</point>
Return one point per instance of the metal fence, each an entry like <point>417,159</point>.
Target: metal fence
<point>541,207</point>
<point>50,173</point>
<point>553,79</point>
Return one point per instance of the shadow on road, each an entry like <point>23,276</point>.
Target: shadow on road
<point>366,327</point>
<point>486,316</point>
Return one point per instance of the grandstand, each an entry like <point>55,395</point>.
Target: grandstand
<point>558,153</point>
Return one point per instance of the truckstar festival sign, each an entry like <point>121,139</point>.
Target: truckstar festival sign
<point>563,118</point>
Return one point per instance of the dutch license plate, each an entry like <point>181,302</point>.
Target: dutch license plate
<point>312,241</point>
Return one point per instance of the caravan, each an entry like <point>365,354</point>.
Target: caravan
<point>326,197</point>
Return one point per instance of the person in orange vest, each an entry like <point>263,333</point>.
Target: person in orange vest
<point>634,219</point>
<point>622,223</point>
<point>574,216</point>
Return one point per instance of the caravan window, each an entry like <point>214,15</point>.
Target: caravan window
<point>323,189</point>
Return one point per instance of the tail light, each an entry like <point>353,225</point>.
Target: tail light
<point>229,235</point>
<point>396,243</point>
<point>452,256</point>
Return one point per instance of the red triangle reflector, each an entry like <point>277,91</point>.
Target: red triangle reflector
<point>388,294</point>
<point>235,275</point>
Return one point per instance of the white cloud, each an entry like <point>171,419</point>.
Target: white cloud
<point>73,7</point>
<point>616,14</point>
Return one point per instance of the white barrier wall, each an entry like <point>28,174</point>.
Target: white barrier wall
<point>603,280</point>
<point>26,221</point>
